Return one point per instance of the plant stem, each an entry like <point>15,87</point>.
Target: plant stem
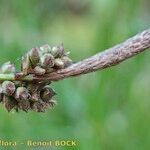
<point>108,58</point>
<point>105,59</point>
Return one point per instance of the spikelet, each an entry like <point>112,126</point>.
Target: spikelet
<point>8,88</point>
<point>9,102</point>
<point>34,56</point>
<point>47,93</point>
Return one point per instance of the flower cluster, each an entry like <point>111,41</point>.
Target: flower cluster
<point>36,96</point>
<point>45,59</point>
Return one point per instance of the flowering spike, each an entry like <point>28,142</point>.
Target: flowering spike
<point>36,96</point>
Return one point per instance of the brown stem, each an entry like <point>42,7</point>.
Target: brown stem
<point>105,59</point>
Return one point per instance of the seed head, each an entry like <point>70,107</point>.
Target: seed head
<point>37,96</point>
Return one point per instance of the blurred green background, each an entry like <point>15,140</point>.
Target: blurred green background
<point>107,110</point>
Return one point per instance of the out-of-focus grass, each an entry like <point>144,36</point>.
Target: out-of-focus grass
<point>101,110</point>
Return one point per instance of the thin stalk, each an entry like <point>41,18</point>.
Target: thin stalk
<point>108,58</point>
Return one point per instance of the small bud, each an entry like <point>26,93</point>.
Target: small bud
<point>9,102</point>
<point>8,87</point>
<point>8,68</point>
<point>57,51</point>
<point>34,56</point>
<point>38,106</point>
<point>22,94</point>
<point>47,61</point>
<point>62,51</point>
<point>26,64</point>
<point>35,97</point>
<point>24,105</point>
<point>47,93</point>
<point>39,71</point>
<point>67,61</point>
<point>59,63</point>
<point>45,49</point>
